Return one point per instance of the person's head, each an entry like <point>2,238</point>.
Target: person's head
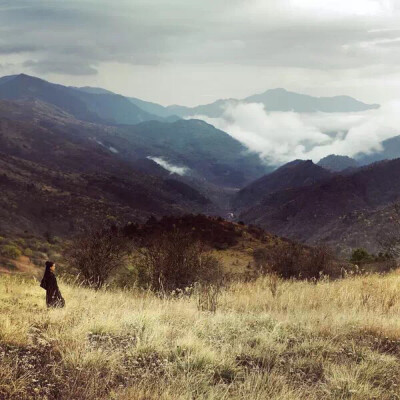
<point>50,266</point>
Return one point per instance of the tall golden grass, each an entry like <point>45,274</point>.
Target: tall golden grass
<point>268,339</point>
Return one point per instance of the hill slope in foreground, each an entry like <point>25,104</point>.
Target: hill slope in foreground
<point>330,340</point>
<point>233,244</point>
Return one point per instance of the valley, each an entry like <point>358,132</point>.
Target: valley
<point>72,156</point>
<point>199,200</point>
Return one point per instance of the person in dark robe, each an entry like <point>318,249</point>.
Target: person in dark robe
<point>49,283</point>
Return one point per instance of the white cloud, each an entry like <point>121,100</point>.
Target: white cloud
<point>280,137</point>
<point>173,169</point>
<point>112,149</point>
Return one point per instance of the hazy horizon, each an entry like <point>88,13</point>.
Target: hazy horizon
<point>55,81</point>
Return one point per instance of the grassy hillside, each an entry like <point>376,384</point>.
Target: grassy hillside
<point>330,340</point>
<point>232,244</point>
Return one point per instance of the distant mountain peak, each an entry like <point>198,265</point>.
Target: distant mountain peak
<point>280,100</point>
<point>297,162</point>
<point>294,174</point>
<point>337,163</point>
<point>27,77</point>
<point>277,90</point>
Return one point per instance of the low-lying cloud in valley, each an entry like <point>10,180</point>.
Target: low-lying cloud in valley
<point>173,169</point>
<point>280,137</point>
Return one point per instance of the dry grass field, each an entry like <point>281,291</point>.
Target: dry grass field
<point>268,339</point>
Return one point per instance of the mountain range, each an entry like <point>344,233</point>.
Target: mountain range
<point>71,156</point>
<point>54,175</point>
<point>337,163</point>
<point>87,105</point>
<point>390,150</point>
<point>204,152</point>
<point>101,105</point>
<point>279,100</point>
<point>297,173</point>
<point>343,210</point>
<point>273,100</point>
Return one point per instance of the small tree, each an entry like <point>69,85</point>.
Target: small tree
<point>360,256</point>
<point>175,261</point>
<point>97,253</point>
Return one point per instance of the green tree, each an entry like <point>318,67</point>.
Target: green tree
<point>359,256</point>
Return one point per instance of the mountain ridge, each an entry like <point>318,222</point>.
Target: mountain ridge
<point>70,179</point>
<point>331,211</point>
<point>283,102</point>
<point>293,174</point>
<point>105,107</point>
<point>337,163</point>
<point>279,100</point>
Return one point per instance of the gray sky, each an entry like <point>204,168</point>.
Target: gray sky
<point>196,51</point>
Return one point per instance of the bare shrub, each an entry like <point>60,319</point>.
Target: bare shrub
<point>282,260</point>
<point>262,260</point>
<point>97,253</point>
<point>175,261</point>
<point>291,260</point>
<point>319,261</point>
<point>10,251</point>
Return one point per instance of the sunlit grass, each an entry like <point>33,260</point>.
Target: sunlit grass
<point>267,340</point>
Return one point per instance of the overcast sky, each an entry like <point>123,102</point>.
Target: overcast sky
<point>196,51</point>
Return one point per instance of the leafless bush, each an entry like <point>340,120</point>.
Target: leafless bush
<point>97,253</point>
<point>319,261</point>
<point>175,261</point>
<point>291,260</point>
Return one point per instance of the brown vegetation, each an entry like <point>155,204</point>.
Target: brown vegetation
<point>291,260</point>
<point>176,261</point>
<point>299,341</point>
<point>96,253</point>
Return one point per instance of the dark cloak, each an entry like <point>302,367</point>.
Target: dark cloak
<point>53,294</point>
